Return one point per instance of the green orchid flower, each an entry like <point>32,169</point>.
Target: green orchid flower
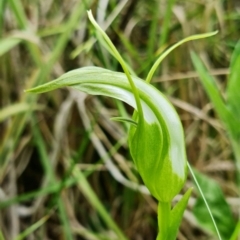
<point>156,143</point>
<point>156,139</point>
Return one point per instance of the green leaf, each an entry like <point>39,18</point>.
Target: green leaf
<point>7,44</point>
<point>16,109</point>
<point>220,209</point>
<point>177,213</point>
<point>236,232</point>
<point>125,120</point>
<point>157,144</point>
<point>233,95</point>
<point>213,92</point>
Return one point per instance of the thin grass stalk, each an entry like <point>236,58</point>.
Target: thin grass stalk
<point>162,56</point>
<point>2,8</point>
<point>32,228</point>
<point>96,203</point>
<point>151,39</point>
<point>166,22</point>
<point>205,201</point>
<point>51,179</point>
<point>23,24</point>
<point>236,233</point>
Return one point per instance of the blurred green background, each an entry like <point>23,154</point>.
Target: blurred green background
<point>65,168</point>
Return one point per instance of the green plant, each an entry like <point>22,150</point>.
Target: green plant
<point>229,112</point>
<point>156,138</point>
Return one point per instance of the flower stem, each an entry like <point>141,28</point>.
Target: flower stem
<point>164,211</point>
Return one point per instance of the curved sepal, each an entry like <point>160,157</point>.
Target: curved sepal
<point>157,143</point>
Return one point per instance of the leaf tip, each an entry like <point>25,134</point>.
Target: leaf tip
<point>215,32</point>
<point>123,119</point>
<point>89,13</point>
<point>26,90</point>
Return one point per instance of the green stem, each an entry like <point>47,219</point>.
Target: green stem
<point>162,56</point>
<point>117,55</point>
<point>164,214</point>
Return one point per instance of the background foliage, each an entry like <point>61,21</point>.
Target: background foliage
<point>65,168</point>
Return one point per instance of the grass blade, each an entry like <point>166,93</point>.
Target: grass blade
<point>16,109</point>
<point>215,198</point>
<point>204,199</point>
<point>96,203</point>
<point>233,96</point>
<point>212,90</point>
<point>50,178</point>
<point>32,228</point>
<point>1,236</point>
<point>7,44</point>
<point>166,22</point>
<point>236,232</point>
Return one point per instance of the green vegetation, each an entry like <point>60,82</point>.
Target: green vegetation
<point>66,169</point>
